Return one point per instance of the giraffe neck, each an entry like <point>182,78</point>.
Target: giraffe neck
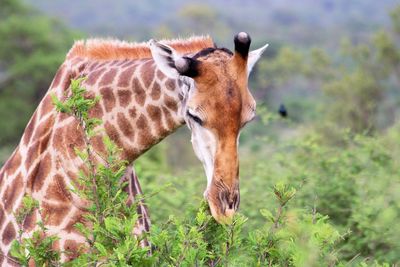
<point>139,105</point>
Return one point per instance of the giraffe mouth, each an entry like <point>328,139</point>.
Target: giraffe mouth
<point>223,204</point>
<point>222,216</point>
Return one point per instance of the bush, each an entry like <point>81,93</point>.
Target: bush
<point>285,238</point>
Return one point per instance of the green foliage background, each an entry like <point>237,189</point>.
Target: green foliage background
<point>340,146</point>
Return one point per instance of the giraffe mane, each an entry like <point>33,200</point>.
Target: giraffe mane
<point>111,49</point>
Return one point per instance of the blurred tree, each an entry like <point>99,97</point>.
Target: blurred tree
<point>362,82</point>
<point>32,48</point>
<point>395,16</point>
<point>287,64</point>
<point>355,89</point>
<point>352,100</point>
<point>200,18</point>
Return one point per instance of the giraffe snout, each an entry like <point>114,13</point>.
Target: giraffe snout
<point>229,200</point>
<point>223,204</point>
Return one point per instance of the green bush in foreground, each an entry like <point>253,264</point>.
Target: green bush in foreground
<point>287,237</point>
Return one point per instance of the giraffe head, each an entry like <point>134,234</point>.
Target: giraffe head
<point>216,106</point>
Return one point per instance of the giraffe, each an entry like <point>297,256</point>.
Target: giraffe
<point>147,91</point>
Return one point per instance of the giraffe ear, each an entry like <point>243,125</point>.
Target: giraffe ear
<point>172,64</point>
<point>253,57</point>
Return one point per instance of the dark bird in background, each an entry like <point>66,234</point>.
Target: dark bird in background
<point>282,111</point>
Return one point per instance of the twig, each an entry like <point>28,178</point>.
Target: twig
<point>278,217</point>
<point>9,258</point>
<point>314,211</point>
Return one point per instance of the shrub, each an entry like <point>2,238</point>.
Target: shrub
<point>286,236</point>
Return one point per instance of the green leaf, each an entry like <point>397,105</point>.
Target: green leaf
<point>267,214</point>
<point>101,248</point>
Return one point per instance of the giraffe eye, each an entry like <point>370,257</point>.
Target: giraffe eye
<point>194,118</point>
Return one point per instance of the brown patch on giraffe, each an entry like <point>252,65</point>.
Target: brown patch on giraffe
<point>56,245</point>
<point>66,81</point>
<point>74,138</point>
<point>125,63</point>
<point>147,73</point>
<point>154,112</point>
<point>132,113</point>
<point>102,64</point>
<point>114,63</point>
<point>146,140</point>
<point>170,103</point>
<point>76,218</point>
<point>125,125</point>
<point>108,77</point>
<point>78,68</point>
<point>93,66</point>
<point>13,163</point>
<point>9,234</point>
<point>3,173</point>
<point>63,116</point>
<point>108,98</point>
<point>2,216</point>
<point>54,214</point>
<point>58,77</point>
<point>72,249</point>
<point>145,137</point>
<point>42,173</point>
<point>170,84</point>
<point>58,142</point>
<point>168,118</point>
<point>160,75</point>
<point>155,91</point>
<point>30,221</point>
<point>89,94</point>
<point>124,97</point>
<point>130,154</point>
<point>98,144</point>
<point>129,63</point>
<point>93,77</point>
<point>44,142</point>
<point>112,132</point>
<point>125,77</point>
<point>141,123</point>
<point>35,150</point>
<point>57,189</point>
<point>161,131</point>
<point>31,176</point>
<point>140,94</point>
<point>96,111</point>
<point>46,105</point>
<point>12,193</point>
<point>41,130</point>
<point>122,62</point>
<point>29,129</point>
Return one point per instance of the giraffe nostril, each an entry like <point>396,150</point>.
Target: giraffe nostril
<point>228,201</point>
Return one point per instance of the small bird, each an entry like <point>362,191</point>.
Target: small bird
<point>282,111</point>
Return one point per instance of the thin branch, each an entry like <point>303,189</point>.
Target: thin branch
<point>9,258</point>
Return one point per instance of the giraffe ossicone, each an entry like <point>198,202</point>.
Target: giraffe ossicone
<point>147,91</point>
